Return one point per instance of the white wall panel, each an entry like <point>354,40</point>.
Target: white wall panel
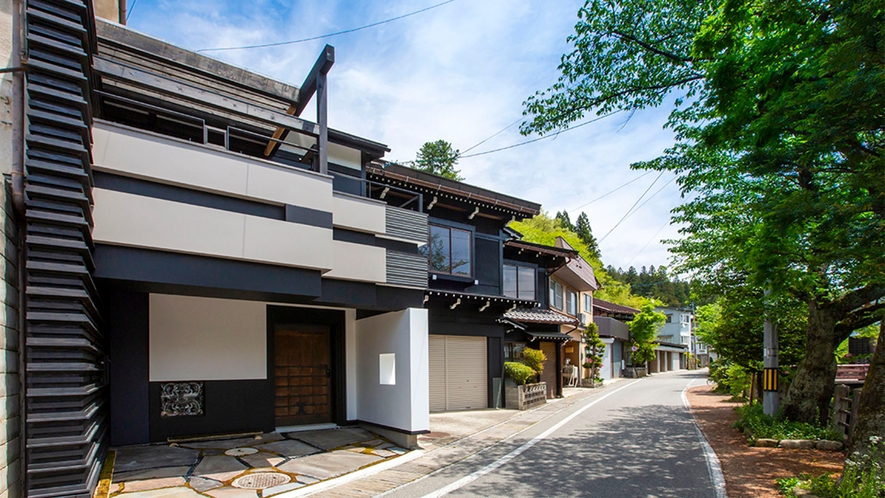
<point>134,153</point>
<point>359,214</point>
<point>195,338</point>
<point>358,262</point>
<point>138,221</point>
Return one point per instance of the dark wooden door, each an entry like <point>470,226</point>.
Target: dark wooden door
<point>303,393</point>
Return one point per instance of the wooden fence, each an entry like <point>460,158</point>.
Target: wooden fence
<point>845,404</point>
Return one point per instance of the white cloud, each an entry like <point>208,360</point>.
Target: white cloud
<point>460,73</point>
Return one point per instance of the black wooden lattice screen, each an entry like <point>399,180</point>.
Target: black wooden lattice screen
<point>65,385</point>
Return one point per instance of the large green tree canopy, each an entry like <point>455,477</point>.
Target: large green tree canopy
<point>779,109</point>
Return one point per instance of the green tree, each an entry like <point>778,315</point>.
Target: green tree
<point>779,123</point>
<point>582,228</point>
<point>438,158</point>
<point>644,330</point>
<point>564,221</point>
<point>595,351</point>
<point>542,229</point>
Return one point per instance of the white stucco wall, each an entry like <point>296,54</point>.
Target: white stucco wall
<point>405,405</point>
<point>196,338</point>
<point>606,370</point>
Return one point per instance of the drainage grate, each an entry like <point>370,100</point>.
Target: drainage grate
<point>236,452</point>
<point>261,480</point>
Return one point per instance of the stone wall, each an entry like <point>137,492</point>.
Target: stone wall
<point>10,389</point>
<point>10,422</point>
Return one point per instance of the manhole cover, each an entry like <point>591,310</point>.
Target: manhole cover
<point>235,452</point>
<point>261,480</point>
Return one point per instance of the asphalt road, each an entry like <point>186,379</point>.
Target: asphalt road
<point>634,440</point>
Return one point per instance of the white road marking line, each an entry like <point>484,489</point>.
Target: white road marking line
<point>460,483</point>
<point>713,465</point>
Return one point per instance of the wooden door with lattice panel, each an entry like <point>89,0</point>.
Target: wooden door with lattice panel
<point>302,375</point>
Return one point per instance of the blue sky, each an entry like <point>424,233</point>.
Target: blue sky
<point>459,72</point>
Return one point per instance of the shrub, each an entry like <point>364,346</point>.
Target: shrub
<point>752,416</point>
<point>518,372</point>
<point>534,359</point>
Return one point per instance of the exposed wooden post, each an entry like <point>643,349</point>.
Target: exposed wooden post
<point>840,408</point>
<point>310,86</point>
<point>856,395</point>
<point>323,121</point>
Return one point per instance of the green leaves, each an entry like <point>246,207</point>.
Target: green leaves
<point>626,56</point>
<point>438,158</point>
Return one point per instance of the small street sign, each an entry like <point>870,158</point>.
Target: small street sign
<point>634,349</point>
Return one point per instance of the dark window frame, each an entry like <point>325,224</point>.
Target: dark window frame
<point>450,227</point>
<point>518,268</point>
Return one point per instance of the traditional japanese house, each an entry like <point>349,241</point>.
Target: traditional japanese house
<point>467,287</point>
<point>197,258</point>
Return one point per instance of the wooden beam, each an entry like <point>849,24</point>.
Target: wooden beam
<point>152,81</point>
<point>315,78</point>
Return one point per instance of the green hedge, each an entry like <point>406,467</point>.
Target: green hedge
<point>518,371</point>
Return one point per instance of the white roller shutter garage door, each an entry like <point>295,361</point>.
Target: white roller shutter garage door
<point>458,373</point>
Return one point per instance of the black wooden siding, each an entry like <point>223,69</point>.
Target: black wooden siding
<point>65,385</point>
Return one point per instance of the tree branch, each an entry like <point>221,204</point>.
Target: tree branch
<point>859,298</point>
<point>651,48</point>
<point>860,318</point>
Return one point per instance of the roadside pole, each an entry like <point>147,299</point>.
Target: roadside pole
<point>770,400</point>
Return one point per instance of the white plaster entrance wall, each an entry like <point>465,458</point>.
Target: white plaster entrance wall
<point>606,370</point>
<point>405,404</point>
<point>197,338</point>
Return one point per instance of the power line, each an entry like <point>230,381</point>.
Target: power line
<point>610,191</point>
<point>631,208</point>
<point>130,10</point>
<point>649,242</point>
<point>652,195</point>
<point>495,135</point>
<point>554,135</point>
<point>302,40</point>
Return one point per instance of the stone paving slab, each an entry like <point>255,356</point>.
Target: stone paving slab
<point>220,468</point>
<point>327,465</point>
<point>230,492</point>
<point>289,448</point>
<point>148,457</point>
<point>203,483</point>
<point>179,492</point>
<point>263,459</point>
<point>333,438</point>
<point>149,484</point>
<point>157,473</point>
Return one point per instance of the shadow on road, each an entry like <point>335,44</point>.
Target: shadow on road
<point>648,451</point>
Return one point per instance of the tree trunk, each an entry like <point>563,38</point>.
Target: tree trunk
<point>808,396</point>
<point>870,414</point>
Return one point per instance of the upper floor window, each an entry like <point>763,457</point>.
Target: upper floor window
<point>588,303</point>
<point>684,318</point>
<point>450,250</point>
<point>669,318</point>
<point>571,300</point>
<point>519,282</point>
<point>556,294</point>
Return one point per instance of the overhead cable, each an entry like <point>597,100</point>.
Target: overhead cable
<point>538,139</point>
<point>302,40</point>
<point>631,208</point>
